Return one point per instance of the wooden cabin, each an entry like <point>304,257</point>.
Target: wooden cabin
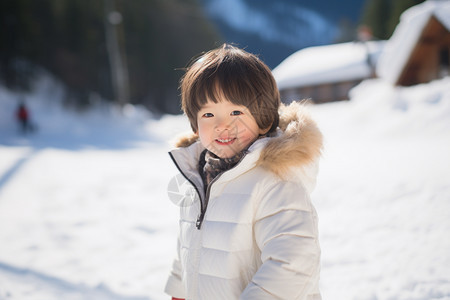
<point>419,49</point>
<point>326,73</point>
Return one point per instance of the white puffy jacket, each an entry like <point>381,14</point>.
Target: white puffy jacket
<point>258,238</point>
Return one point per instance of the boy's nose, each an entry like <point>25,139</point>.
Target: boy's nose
<point>223,124</point>
<point>221,127</point>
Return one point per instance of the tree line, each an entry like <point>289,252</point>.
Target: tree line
<point>69,38</point>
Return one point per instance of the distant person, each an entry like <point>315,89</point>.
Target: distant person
<point>248,229</point>
<point>23,117</point>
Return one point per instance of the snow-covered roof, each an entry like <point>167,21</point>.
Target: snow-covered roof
<point>327,64</point>
<point>400,46</point>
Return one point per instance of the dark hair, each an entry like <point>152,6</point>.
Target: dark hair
<point>236,75</point>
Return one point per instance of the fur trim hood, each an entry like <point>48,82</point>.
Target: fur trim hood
<point>297,143</point>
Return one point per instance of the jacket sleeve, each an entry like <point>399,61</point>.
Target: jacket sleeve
<point>174,286</point>
<point>286,234</point>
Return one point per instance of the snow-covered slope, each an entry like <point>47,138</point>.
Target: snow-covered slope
<point>61,127</point>
<point>383,193</point>
<point>88,217</point>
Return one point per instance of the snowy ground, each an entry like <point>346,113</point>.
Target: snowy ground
<point>84,212</point>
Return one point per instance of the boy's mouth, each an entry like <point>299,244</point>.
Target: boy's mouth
<point>225,142</point>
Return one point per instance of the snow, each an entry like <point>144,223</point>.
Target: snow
<point>84,211</point>
<point>315,65</point>
<point>406,34</point>
<point>383,193</point>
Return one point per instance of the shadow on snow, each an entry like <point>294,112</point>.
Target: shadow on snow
<point>62,287</point>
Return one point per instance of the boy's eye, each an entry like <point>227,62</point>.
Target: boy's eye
<point>236,113</point>
<point>208,115</point>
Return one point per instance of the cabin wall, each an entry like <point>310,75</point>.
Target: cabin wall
<point>429,59</point>
<point>321,93</point>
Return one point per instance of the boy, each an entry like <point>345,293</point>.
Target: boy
<point>251,230</point>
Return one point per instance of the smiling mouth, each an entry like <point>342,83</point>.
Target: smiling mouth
<point>225,141</point>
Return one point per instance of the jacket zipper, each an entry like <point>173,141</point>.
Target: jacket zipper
<point>198,223</point>
<point>201,216</point>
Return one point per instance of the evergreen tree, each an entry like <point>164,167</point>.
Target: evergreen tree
<point>398,7</point>
<point>382,16</point>
<point>376,15</point>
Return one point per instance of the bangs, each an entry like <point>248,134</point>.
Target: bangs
<point>228,82</point>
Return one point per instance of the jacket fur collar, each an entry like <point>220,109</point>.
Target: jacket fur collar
<point>298,142</point>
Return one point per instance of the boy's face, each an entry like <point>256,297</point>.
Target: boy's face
<point>225,128</point>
